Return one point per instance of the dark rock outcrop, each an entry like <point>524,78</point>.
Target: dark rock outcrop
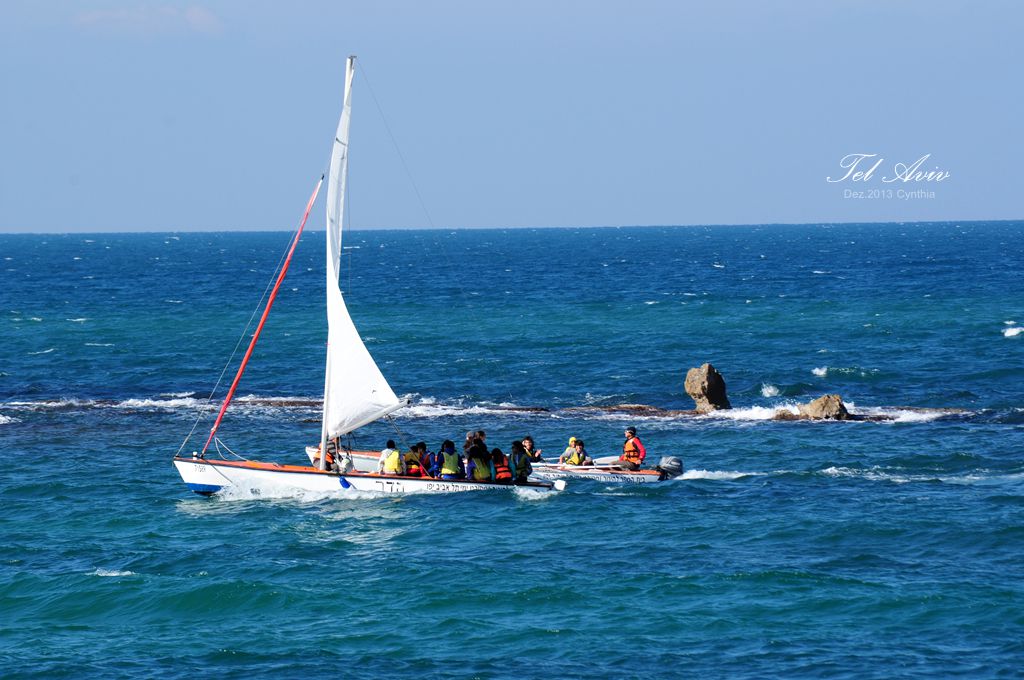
<point>706,387</point>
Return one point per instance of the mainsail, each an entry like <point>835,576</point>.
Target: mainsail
<point>355,391</point>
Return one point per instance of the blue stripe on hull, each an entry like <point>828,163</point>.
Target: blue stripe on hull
<point>204,489</point>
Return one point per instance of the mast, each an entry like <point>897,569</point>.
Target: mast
<point>355,391</point>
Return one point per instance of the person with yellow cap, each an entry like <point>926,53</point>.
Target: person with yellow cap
<point>569,450</point>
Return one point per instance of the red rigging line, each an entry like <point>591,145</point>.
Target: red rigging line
<point>263,319</point>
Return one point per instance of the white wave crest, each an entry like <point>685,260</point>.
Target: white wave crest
<point>769,390</point>
<point>184,402</point>
<point>111,572</point>
<point>750,413</point>
<point>821,371</point>
<point>1013,332</point>
<point>7,420</point>
<point>79,320</point>
<point>45,351</point>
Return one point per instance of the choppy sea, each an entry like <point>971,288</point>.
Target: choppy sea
<point>788,549</point>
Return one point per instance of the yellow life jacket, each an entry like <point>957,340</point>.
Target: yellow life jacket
<point>451,464</point>
<point>481,469</point>
<point>576,458</point>
<point>393,463</point>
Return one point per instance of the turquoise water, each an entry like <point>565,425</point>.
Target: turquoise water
<point>839,550</point>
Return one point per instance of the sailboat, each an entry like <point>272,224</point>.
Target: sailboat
<point>355,391</point>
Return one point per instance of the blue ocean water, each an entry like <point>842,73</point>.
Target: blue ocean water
<point>789,549</point>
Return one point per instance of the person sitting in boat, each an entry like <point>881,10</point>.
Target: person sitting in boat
<point>452,465</point>
<point>413,460</point>
<point>332,448</point>
<point>519,461</point>
<point>579,455</point>
<point>534,454</point>
<point>391,461</point>
<point>502,469</point>
<point>633,451</point>
<point>478,463</point>
<point>432,461</point>
<point>569,450</point>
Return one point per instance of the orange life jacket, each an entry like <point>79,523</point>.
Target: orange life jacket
<point>502,472</point>
<point>631,452</point>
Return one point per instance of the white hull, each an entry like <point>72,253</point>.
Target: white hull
<point>551,471</point>
<point>364,461</point>
<point>211,476</point>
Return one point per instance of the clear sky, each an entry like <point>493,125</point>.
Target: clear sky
<point>131,115</point>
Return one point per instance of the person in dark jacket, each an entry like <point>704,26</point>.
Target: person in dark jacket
<point>519,461</point>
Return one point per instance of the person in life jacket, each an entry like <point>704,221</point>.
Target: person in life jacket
<point>452,465</point>
<point>519,461</point>
<point>569,450</point>
<point>579,455</point>
<point>391,461</point>
<point>502,470</point>
<point>332,448</point>
<point>531,451</point>
<point>432,461</point>
<point>413,458</point>
<point>633,451</point>
<point>478,463</point>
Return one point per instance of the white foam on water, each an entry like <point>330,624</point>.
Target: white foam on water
<point>111,572</point>
<point>821,371</point>
<point>717,265</point>
<point>749,413</point>
<point>99,344</point>
<point>7,420</point>
<point>182,402</point>
<point>769,390</point>
<point>45,351</point>
<point>79,320</point>
<point>34,318</point>
<point>900,415</point>
<point>531,495</point>
<point>720,475</point>
<point>820,271</point>
<point>1013,332</point>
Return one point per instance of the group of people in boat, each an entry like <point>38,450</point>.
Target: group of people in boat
<point>476,462</point>
<point>633,452</point>
<point>479,463</point>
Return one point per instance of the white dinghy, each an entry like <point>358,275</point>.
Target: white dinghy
<point>355,391</point>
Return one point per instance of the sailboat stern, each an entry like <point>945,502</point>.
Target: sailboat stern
<point>200,477</point>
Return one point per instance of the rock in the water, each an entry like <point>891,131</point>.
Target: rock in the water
<point>706,387</point>
<point>828,407</point>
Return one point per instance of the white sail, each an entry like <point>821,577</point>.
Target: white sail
<point>355,391</point>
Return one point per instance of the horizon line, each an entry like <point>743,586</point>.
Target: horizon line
<point>249,230</point>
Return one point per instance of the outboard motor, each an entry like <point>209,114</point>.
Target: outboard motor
<point>669,467</point>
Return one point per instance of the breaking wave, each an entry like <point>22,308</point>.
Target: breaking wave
<point>1013,331</point>
<point>769,390</point>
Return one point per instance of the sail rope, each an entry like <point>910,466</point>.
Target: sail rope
<point>238,344</point>
<point>450,263</point>
<point>263,319</point>
<point>399,433</point>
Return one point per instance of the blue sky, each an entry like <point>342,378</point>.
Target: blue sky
<point>132,115</point>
